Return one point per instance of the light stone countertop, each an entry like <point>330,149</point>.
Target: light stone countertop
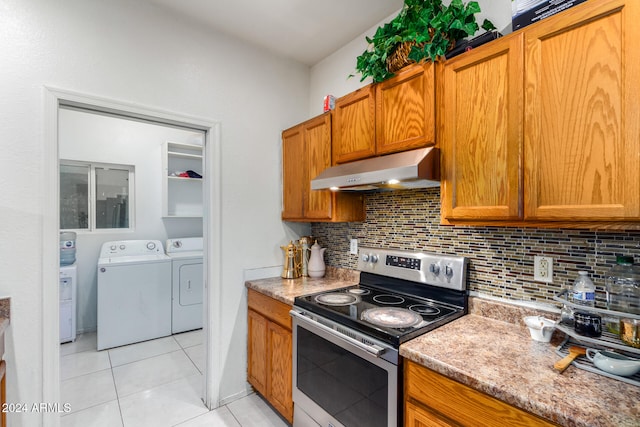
<point>500,359</point>
<point>491,351</point>
<point>285,290</point>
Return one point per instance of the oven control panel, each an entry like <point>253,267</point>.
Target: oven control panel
<point>403,262</point>
<point>431,268</point>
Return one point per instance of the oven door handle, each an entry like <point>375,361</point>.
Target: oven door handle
<point>376,350</point>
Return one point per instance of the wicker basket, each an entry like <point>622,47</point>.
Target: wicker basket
<point>400,57</point>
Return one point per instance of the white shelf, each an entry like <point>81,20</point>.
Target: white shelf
<point>182,178</point>
<point>184,155</point>
<point>182,197</point>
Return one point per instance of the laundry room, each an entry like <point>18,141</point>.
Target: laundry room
<point>115,186</point>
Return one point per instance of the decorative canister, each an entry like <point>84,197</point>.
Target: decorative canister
<point>316,261</point>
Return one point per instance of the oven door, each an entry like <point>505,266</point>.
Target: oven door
<point>338,380</point>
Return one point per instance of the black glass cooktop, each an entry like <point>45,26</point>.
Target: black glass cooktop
<point>389,316</point>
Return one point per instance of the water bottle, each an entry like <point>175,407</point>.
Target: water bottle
<point>67,247</point>
<point>584,291</point>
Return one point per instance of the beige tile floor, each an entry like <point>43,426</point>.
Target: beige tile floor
<point>151,384</point>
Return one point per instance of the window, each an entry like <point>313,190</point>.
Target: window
<point>95,196</point>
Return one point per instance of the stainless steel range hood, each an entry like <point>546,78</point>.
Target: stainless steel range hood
<point>411,169</point>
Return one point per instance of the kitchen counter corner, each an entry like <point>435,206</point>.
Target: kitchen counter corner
<point>501,360</point>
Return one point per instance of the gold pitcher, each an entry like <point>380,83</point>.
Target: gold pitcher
<point>292,261</point>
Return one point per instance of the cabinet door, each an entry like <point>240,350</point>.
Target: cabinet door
<point>405,110</point>
<point>280,365</point>
<point>294,173</point>
<point>415,416</point>
<point>317,137</point>
<point>257,352</point>
<point>582,138</point>
<point>354,126</point>
<point>482,132</point>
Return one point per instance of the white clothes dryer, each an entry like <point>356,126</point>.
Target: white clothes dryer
<point>187,283</point>
<point>134,292</point>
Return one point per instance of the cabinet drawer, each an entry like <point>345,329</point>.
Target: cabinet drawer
<point>270,308</point>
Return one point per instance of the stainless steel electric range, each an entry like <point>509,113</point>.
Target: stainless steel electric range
<point>346,368</point>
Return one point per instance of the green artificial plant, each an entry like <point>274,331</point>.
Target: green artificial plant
<point>431,27</point>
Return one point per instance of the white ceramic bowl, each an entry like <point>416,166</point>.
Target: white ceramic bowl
<point>540,328</point>
<point>613,363</point>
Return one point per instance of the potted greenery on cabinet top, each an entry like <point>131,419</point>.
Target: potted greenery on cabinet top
<point>423,30</point>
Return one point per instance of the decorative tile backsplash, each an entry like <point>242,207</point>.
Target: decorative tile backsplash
<point>501,258</point>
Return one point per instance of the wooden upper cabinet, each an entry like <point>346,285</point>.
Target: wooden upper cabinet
<point>317,135</point>
<point>306,152</point>
<point>354,126</point>
<point>582,126</point>
<point>405,110</point>
<point>293,172</point>
<point>481,132</point>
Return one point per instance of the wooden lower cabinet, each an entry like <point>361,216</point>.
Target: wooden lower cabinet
<point>432,399</point>
<point>269,357</point>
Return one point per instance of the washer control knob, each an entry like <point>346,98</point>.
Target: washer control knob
<point>112,247</point>
<point>122,247</point>
<point>434,268</point>
<point>151,246</point>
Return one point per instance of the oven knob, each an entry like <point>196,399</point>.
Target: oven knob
<point>365,257</point>
<point>448,271</point>
<point>434,268</point>
<point>373,258</point>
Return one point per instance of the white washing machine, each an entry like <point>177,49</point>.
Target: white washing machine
<point>134,292</point>
<point>68,292</point>
<point>187,283</point>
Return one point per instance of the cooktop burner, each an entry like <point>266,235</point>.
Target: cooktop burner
<point>392,317</point>
<point>336,299</point>
<point>387,299</point>
<point>424,309</point>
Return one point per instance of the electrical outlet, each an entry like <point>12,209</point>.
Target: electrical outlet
<point>353,247</point>
<point>543,269</point>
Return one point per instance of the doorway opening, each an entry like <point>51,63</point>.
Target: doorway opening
<point>58,101</point>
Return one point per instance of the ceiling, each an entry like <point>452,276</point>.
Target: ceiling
<point>305,30</point>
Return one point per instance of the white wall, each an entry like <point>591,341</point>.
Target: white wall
<point>133,52</point>
<point>330,76</point>
<point>99,138</point>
